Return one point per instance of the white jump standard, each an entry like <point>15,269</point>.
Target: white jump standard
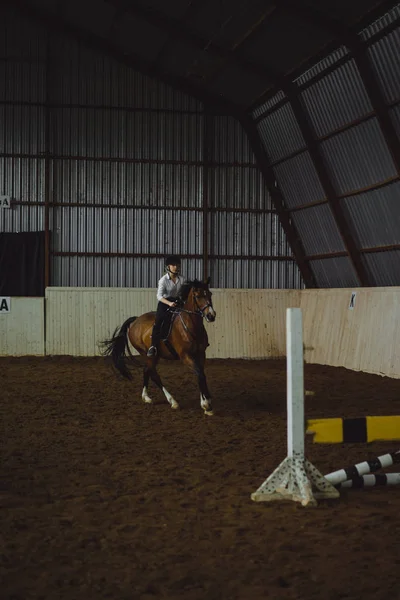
<point>295,478</point>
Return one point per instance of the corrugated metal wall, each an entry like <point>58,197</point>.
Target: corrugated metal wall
<point>244,231</point>
<point>356,158</point>
<point>124,170</point>
<point>128,180</point>
<point>22,124</point>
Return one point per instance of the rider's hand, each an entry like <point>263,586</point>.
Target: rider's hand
<point>172,304</point>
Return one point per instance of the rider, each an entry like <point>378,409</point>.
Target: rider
<point>168,290</point>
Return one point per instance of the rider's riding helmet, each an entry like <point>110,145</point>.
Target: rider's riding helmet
<point>172,260</point>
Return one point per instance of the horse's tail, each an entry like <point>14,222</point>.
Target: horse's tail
<point>116,346</point>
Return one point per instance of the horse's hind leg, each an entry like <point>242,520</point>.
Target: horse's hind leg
<point>157,380</point>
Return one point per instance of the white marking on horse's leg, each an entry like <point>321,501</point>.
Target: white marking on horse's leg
<point>145,397</point>
<point>170,398</point>
<point>206,405</point>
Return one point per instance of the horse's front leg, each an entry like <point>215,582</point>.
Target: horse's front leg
<point>146,376</point>
<point>151,366</point>
<point>197,366</point>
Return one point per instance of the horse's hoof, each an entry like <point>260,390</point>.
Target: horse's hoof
<point>147,400</point>
<point>175,406</point>
<point>209,413</point>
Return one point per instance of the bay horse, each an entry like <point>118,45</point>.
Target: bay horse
<point>187,341</point>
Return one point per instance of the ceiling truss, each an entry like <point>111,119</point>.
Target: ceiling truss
<point>216,104</point>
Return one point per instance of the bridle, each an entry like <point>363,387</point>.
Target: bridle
<point>199,312</point>
<point>200,309</point>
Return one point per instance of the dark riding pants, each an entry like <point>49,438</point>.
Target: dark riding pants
<point>162,316</point>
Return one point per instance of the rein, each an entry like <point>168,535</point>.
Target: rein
<point>199,313</point>
<point>178,311</point>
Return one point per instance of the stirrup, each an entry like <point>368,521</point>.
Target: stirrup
<point>152,351</point>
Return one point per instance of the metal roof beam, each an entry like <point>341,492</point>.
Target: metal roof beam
<point>309,14</point>
<point>215,102</point>
<point>358,51</point>
<point>182,20</point>
<point>195,39</point>
<point>322,21</point>
<point>327,185</point>
<point>242,41</point>
<point>278,200</point>
<point>339,30</point>
<point>378,103</point>
<point>292,75</point>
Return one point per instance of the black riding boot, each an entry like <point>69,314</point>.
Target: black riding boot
<point>155,340</point>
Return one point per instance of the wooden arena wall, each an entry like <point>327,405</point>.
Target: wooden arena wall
<point>359,332</point>
<point>249,324</point>
<point>362,336</point>
<point>22,327</point>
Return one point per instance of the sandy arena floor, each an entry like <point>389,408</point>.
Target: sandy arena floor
<point>105,497</point>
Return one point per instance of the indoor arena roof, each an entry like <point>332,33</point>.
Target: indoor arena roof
<point>229,53</point>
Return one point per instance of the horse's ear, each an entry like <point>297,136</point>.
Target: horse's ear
<point>208,280</point>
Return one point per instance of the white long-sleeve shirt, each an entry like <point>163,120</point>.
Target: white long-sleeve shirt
<point>167,287</point>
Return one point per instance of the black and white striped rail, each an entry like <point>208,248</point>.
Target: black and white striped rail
<point>380,479</point>
<point>360,469</point>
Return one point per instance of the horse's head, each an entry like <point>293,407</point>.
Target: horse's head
<point>198,294</point>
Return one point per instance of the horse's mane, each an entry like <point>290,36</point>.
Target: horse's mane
<point>188,285</point>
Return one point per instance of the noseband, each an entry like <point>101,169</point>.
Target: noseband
<point>201,310</point>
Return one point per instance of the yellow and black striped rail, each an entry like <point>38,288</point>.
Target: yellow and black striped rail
<point>349,431</point>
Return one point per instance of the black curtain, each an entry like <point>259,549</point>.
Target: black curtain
<point>22,263</point>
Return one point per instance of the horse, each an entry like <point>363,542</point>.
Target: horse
<point>187,341</point>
